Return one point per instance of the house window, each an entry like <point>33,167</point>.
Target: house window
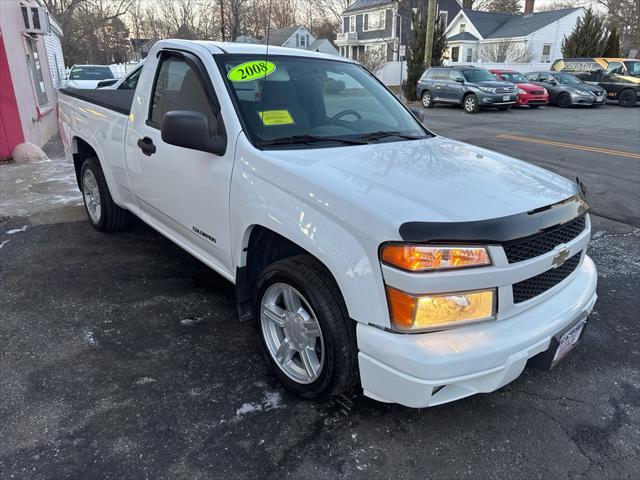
<point>352,24</point>
<point>443,17</point>
<point>25,17</point>
<point>463,26</point>
<point>303,41</point>
<point>374,21</point>
<point>455,54</point>
<point>35,70</point>
<point>546,51</point>
<point>470,54</point>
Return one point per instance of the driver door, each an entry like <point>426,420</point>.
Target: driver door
<point>183,192</point>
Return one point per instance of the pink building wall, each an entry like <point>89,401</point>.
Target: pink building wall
<point>37,124</point>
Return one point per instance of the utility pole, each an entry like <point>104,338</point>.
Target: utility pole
<point>431,26</point>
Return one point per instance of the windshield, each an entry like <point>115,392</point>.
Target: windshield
<point>567,79</point>
<point>513,77</point>
<point>90,73</point>
<point>633,67</point>
<point>300,102</point>
<point>477,75</point>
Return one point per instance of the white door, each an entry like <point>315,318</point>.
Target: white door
<point>184,192</point>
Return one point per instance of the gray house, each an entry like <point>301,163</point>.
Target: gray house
<point>381,26</point>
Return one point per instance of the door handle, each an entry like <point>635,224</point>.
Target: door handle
<point>146,145</point>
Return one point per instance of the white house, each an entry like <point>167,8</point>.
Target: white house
<point>299,37</point>
<point>474,36</point>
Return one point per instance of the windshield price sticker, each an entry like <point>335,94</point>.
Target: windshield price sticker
<point>276,117</point>
<point>253,70</point>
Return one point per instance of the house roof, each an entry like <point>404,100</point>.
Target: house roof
<point>362,4</point>
<point>279,36</point>
<point>504,25</point>
<point>462,36</point>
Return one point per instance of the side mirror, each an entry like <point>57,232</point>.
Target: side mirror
<point>418,112</point>
<point>188,129</point>
<point>106,83</point>
<point>460,80</point>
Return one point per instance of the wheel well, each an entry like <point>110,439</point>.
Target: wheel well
<point>466,94</point>
<point>81,151</point>
<point>263,248</point>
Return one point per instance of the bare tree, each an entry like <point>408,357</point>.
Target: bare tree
<point>373,59</point>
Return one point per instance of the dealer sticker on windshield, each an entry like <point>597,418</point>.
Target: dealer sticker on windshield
<point>253,70</point>
<point>276,117</point>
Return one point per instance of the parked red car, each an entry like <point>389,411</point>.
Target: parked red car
<point>528,93</point>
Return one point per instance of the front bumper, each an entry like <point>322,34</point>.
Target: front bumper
<point>532,100</point>
<point>587,99</point>
<point>422,370</point>
<point>496,99</point>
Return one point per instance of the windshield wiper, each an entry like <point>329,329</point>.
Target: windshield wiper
<point>384,134</point>
<point>308,139</point>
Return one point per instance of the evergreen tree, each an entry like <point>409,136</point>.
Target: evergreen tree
<point>504,6</point>
<point>415,53</point>
<point>588,39</point>
<point>439,43</point>
<point>613,43</point>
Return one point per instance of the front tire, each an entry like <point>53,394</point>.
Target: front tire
<point>627,98</point>
<point>470,103</point>
<point>102,212</point>
<point>426,99</point>
<point>307,336</point>
<point>564,100</point>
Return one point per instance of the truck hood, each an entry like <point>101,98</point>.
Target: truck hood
<point>431,180</point>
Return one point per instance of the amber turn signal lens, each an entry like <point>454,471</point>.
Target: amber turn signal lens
<point>428,312</point>
<point>420,258</point>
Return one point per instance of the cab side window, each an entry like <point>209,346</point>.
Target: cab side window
<point>454,76</point>
<point>178,86</point>
<point>615,68</point>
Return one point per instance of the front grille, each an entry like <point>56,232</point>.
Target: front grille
<point>530,247</point>
<point>534,286</point>
<point>505,90</point>
<point>536,92</point>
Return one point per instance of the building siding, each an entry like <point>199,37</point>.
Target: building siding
<point>55,58</point>
<point>553,34</point>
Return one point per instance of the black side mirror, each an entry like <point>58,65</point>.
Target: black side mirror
<point>418,112</point>
<point>460,80</point>
<point>106,83</point>
<point>188,129</point>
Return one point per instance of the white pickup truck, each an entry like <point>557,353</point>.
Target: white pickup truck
<point>366,248</point>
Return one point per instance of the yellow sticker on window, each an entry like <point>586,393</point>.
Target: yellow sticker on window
<point>276,117</point>
<point>253,70</point>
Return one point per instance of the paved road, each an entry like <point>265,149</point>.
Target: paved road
<point>121,356</point>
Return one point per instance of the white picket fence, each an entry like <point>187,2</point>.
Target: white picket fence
<point>389,73</point>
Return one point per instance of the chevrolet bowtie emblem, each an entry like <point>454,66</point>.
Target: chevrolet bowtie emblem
<point>560,258</point>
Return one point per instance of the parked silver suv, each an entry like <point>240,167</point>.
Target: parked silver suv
<point>472,87</point>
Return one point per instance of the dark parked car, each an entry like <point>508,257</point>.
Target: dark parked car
<point>472,87</point>
<point>566,90</point>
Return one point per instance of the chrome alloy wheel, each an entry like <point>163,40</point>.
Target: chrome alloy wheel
<point>91,194</point>
<point>292,333</point>
<point>469,103</point>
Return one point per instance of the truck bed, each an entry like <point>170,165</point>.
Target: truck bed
<point>117,100</point>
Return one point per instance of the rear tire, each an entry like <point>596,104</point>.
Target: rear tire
<point>307,336</point>
<point>470,103</point>
<point>564,100</point>
<point>426,99</point>
<point>102,212</point>
<point>627,98</point>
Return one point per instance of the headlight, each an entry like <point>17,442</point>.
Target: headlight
<point>420,258</point>
<point>544,91</point>
<point>487,89</point>
<point>410,313</point>
<point>521,91</point>
<point>582,92</point>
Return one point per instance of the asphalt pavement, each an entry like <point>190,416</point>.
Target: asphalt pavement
<point>121,356</point>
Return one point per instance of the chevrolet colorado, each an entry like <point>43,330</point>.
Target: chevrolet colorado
<point>367,249</point>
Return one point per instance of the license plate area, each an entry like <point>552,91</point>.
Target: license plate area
<point>561,344</point>
<point>506,98</point>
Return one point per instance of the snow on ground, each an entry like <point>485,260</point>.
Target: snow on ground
<point>37,187</point>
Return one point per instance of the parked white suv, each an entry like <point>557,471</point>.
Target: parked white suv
<point>366,247</point>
